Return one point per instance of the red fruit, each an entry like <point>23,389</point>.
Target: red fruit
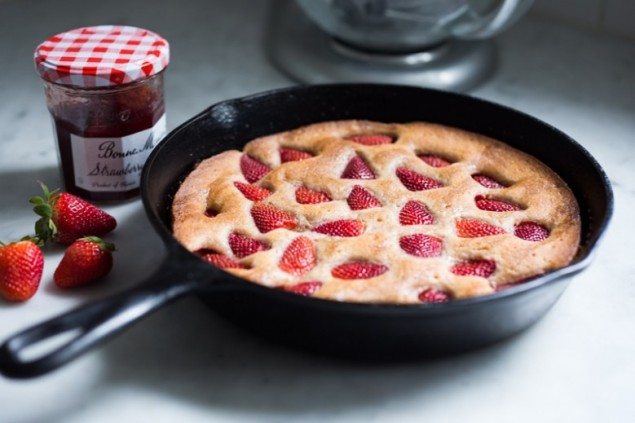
<point>21,265</point>
<point>415,213</point>
<point>531,231</point>
<point>293,155</point>
<point>219,260</point>
<point>242,245</point>
<point>474,228</point>
<point>358,270</point>
<point>305,289</point>
<point>415,181</point>
<point>343,228</point>
<point>487,182</point>
<point>421,245</point>
<point>432,295</point>
<point>252,192</point>
<point>434,160</point>
<point>252,169</point>
<point>304,195</point>
<point>360,198</point>
<point>299,257</point>
<point>482,268</point>
<point>65,217</point>
<point>489,204</point>
<point>267,218</point>
<point>371,139</point>
<point>86,260</point>
<point>357,169</point>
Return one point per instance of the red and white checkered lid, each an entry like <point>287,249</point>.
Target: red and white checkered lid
<point>101,56</point>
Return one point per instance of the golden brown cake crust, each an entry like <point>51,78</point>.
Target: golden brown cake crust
<point>543,196</point>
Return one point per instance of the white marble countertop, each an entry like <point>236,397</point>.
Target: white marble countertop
<point>185,364</point>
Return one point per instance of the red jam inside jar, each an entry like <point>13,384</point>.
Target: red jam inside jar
<point>104,90</point>
<point>105,119</point>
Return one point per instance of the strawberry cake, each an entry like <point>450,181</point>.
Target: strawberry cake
<point>364,211</point>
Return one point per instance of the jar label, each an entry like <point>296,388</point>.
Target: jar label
<point>113,164</point>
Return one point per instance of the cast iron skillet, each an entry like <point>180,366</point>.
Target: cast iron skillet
<point>358,331</point>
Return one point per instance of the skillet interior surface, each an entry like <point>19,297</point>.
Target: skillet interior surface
<point>362,330</point>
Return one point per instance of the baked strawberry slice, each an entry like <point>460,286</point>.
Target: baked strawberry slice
<point>21,265</point>
<point>421,245</point>
<point>299,257</point>
<point>252,192</point>
<point>486,181</point>
<point>293,155</point>
<point>491,204</point>
<point>434,160</point>
<point>252,169</point>
<point>531,231</point>
<point>304,195</point>
<point>358,270</point>
<point>357,169</point>
<point>482,268</point>
<point>415,213</point>
<point>341,228</point>
<point>415,181</point>
<point>86,260</point>
<point>474,228</point>
<point>433,296</point>
<point>219,260</point>
<point>267,218</point>
<point>65,217</point>
<point>243,245</point>
<point>305,289</point>
<point>360,199</point>
<point>371,139</point>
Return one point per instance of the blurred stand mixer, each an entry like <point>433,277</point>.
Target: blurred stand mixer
<point>443,44</point>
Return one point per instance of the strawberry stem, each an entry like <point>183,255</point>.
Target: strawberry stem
<point>45,229</point>
<point>106,246</point>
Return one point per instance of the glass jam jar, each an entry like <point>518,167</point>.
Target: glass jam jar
<point>104,90</point>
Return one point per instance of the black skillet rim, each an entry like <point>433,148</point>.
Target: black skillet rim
<point>579,263</point>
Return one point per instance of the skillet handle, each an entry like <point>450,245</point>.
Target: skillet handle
<point>92,324</point>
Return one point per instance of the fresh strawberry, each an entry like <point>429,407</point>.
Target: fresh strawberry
<point>252,192</point>
<point>421,245</point>
<point>252,169</point>
<point>267,218</point>
<point>357,169</point>
<point>86,260</point>
<point>343,228</point>
<point>482,268</point>
<point>305,289</point>
<point>299,257</point>
<point>531,231</point>
<point>65,217</point>
<point>486,181</point>
<point>21,265</point>
<point>304,195</point>
<point>433,296</point>
<point>360,199</point>
<point>415,181</point>
<point>371,139</point>
<point>415,213</point>
<point>293,155</point>
<point>242,245</point>
<point>219,260</point>
<point>434,160</point>
<point>358,270</point>
<point>490,204</point>
<point>474,228</point>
